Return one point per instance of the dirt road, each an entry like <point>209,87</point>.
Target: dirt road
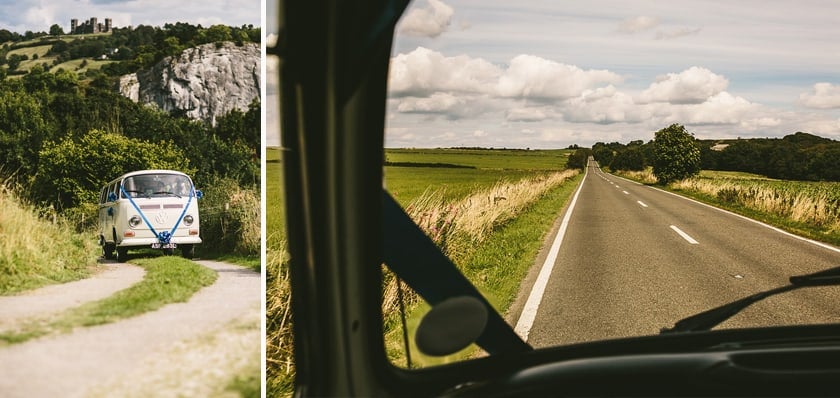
<point>183,349</point>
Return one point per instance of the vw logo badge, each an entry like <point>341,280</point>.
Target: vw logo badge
<point>160,218</point>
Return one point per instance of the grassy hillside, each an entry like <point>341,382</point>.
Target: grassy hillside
<point>37,55</point>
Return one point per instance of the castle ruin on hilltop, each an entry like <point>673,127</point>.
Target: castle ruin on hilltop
<point>90,26</point>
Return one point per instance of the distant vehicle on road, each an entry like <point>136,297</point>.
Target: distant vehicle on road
<point>156,209</point>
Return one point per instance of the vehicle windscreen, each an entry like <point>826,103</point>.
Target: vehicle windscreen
<point>561,168</point>
<point>157,185</point>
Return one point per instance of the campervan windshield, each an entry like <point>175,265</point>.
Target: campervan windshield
<point>156,185</point>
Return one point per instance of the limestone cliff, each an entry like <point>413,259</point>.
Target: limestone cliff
<point>203,83</point>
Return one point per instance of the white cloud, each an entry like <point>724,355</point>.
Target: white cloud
<point>604,105</point>
<point>824,96</point>
<point>691,86</point>
<point>638,24</point>
<point>526,115</point>
<point>529,76</point>
<point>423,72</point>
<point>436,103</point>
<point>675,33</point>
<point>721,109</point>
<point>430,21</point>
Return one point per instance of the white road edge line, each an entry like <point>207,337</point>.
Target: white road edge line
<point>684,235</point>
<point>529,312</point>
<point>641,203</point>
<point>779,230</point>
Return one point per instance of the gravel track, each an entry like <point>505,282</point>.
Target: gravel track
<point>72,365</point>
<point>42,302</point>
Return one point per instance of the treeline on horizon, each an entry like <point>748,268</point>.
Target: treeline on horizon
<point>136,48</point>
<point>799,156</point>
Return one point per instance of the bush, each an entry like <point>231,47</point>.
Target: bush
<point>230,217</point>
<point>578,159</point>
<point>72,171</point>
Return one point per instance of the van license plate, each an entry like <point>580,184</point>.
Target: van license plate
<point>163,245</point>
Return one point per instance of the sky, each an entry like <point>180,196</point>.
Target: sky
<point>38,15</point>
<point>546,74</point>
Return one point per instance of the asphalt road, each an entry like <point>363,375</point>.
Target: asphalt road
<point>635,259</point>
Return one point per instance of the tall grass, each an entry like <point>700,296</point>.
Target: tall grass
<point>230,218</point>
<point>36,251</point>
<point>460,226</point>
<point>279,341</point>
<point>815,204</point>
<point>807,208</point>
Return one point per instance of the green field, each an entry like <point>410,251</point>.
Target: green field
<point>41,52</point>
<point>412,179</point>
<point>495,159</point>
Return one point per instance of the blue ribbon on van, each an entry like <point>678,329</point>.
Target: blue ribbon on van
<point>163,236</point>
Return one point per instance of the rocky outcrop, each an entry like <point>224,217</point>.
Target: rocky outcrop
<point>203,83</point>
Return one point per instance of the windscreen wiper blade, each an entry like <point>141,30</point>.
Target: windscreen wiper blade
<point>715,316</point>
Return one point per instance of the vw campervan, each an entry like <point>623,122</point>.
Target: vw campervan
<point>155,209</point>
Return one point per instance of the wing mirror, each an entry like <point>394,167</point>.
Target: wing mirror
<point>451,326</point>
<point>199,194</point>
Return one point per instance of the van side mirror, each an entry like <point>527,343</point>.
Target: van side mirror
<point>112,197</point>
<point>199,194</point>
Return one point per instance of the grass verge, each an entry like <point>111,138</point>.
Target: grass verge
<point>807,209</point>
<point>496,266</point>
<point>169,279</point>
<point>35,252</point>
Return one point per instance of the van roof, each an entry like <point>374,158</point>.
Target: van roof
<point>152,171</point>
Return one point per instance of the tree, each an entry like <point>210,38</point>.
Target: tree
<point>676,156</point>
<point>631,158</point>
<point>218,33</point>
<point>577,160</point>
<point>55,30</point>
<point>72,170</point>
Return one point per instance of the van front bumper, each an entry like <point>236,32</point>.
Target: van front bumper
<point>147,242</point>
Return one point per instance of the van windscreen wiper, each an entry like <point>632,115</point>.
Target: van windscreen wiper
<point>138,192</point>
<point>715,316</point>
<point>167,193</point>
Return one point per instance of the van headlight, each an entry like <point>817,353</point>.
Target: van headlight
<point>188,220</point>
<point>134,221</point>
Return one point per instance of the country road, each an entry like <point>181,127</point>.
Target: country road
<point>635,259</point>
<point>184,349</point>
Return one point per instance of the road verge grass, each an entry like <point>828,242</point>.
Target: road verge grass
<point>168,279</point>
<point>35,252</point>
<point>807,209</point>
<point>495,260</point>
